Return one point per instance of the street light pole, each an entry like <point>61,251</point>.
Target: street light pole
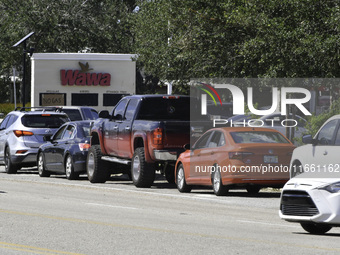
<point>23,40</point>
<point>24,77</point>
<point>14,88</point>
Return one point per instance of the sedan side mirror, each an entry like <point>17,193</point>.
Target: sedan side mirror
<point>308,139</point>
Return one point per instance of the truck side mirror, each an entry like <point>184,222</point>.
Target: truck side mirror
<point>104,114</point>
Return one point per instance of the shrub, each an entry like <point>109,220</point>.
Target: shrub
<point>7,107</point>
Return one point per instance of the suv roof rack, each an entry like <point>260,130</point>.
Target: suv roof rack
<point>43,108</point>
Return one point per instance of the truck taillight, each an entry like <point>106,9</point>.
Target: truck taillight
<point>19,133</point>
<point>158,136</point>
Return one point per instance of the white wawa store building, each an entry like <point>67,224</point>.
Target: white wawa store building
<point>81,79</point>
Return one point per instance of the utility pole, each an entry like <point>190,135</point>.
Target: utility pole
<point>23,40</point>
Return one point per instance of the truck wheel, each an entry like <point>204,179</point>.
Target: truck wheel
<point>96,168</point>
<point>10,168</point>
<point>142,173</point>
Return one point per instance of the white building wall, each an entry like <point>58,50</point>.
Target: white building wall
<point>47,88</point>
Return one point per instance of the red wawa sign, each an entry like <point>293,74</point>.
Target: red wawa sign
<point>83,77</point>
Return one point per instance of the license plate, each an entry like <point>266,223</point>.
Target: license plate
<point>271,159</point>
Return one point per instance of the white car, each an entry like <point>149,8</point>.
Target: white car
<point>275,121</point>
<point>312,196</point>
<point>312,202</point>
<point>321,153</point>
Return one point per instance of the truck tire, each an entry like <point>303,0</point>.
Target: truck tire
<point>96,168</point>
<point>142,173</point>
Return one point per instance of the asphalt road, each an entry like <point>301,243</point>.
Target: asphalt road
<point>57,216</point>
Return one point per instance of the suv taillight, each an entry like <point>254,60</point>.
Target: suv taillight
<point>158,136</point>
<point>19,133</point>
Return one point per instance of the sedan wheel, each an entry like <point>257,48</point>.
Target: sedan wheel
<point>219,188</point>
<point>41,166</point>
<point>69,169</point>
<point>181,183</point>
<point>314,228</point>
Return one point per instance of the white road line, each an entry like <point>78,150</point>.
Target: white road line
<point>270,224</point>
<point>113,206</point>
<point>193,196</point>
<point>139,191</point>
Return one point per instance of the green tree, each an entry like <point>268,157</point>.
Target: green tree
<point>64,26</point>
<point>180,39</point>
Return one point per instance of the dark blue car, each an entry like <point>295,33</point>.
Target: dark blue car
<point>65,152</point>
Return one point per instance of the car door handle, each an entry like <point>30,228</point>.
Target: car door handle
<point>127,128</point>
<point>325,153</point>
<point>115,127</point>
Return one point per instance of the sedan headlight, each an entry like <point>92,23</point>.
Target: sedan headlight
<point>333,188</point>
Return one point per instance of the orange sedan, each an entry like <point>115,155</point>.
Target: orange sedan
<point>234,157</point>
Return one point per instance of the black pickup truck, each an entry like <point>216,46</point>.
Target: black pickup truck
<point>144,133</point>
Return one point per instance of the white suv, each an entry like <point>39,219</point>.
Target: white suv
<point>78,112</point>
<point>21,134</point>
